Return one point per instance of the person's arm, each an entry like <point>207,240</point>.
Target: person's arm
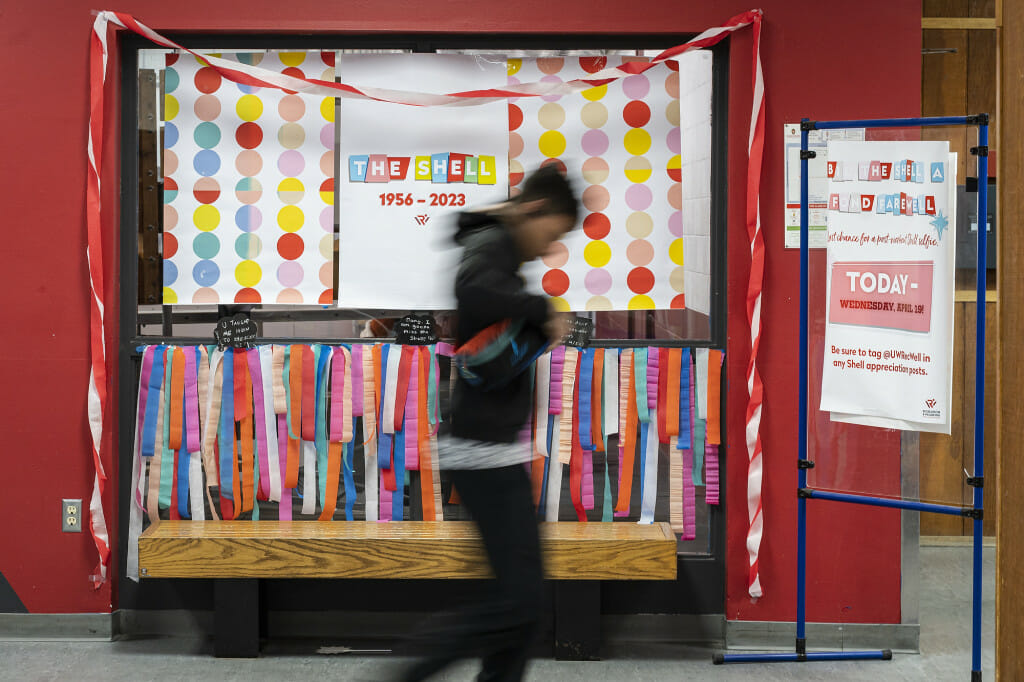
<point>489,292</point>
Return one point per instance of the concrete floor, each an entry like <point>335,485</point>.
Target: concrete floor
<point>945,651</point>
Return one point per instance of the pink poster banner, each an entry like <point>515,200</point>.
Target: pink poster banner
<point>888,295</point>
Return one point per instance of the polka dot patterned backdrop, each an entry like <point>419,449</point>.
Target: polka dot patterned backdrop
<point>621,144</point>
<point>248,185</point>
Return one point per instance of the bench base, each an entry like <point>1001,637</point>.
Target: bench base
<point>239,554</point>
<point>577,620</point>
<point>239,619</point>
<point>236,618</point>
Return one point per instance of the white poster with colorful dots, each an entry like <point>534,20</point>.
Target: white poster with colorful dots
<point>622,143</point>
<point>248,185</point>
<point>407,171</point>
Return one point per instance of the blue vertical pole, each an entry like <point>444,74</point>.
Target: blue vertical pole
<point>979,395</point>
<point>801,551</point>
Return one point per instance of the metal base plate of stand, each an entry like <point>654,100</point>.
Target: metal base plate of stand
<point>874,655</point>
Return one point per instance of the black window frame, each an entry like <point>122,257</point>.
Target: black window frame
<point>700,585</point>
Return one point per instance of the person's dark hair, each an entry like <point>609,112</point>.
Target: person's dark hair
<point>549,183</point>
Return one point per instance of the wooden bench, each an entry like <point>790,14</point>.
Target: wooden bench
<point>238,554</point>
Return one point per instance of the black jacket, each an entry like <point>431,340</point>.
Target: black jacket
<point>488,289</point>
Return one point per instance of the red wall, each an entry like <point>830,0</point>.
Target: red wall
<point>821,60</point>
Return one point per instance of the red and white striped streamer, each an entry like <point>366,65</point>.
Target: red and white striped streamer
<point>755,285</point>
<point>94,256</point>
<point>255,76</point>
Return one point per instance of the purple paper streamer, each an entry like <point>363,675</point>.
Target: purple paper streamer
<point>652,381</point>
<point>252,356</point>
<point>557,367</point>
<point>193,437</point>
<point>357,379</point>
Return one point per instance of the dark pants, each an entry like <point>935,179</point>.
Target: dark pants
<point>500,629</point>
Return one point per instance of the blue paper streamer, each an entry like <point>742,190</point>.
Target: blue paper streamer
<point>398,496</point>
<point>156,380</point>
<point>585,408</point>
<point>384,441</point>
<point>183,469</point>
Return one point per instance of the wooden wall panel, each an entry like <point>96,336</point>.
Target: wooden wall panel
<point>1009,459</point>
<point>944,89</point>
<point>957,84</point>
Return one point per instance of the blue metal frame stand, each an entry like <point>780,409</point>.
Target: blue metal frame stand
<point>804,493</point>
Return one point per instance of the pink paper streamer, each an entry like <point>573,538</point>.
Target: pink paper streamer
<point>689,498</point>
<point>588,479</point>
<point>412,415</point>
<point>193,436</point>
<point>557,367</point>
<point>338,396</point>
<point>252,356</point>
<point>652,381</point>
<point>711,474</point>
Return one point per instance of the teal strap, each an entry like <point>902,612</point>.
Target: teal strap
<point>640,382</point>
<point>433,406</point>
<point>255,489</point>
<point>292,432</point>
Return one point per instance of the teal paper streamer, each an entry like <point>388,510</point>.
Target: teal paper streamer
<point>699,430</point>
<point>288,391</point>
<point>433,405</point>
<point>640,382</point>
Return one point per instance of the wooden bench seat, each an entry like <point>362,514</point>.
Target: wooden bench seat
<point>240,553</point>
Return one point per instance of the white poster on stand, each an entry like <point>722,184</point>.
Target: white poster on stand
<point>406,171</point>
<point>890,284</point>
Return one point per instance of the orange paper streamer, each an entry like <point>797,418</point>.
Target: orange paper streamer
<point>177,398</point>
<point>246,435</point>
<point>675,361</point>
<point>334,451</point>
<point>236,480</point>
<point>295,403</point>
<point>714,423</point>
<point>628,442</point>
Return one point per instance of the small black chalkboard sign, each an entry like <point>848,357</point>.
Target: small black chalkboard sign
<point>581,330</point>
<point>235,332</point>
<point>416,330</point>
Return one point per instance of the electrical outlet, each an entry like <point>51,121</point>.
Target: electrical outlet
<point>71,516</point>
